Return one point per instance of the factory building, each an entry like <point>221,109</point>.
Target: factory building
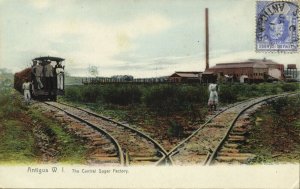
<point>291,72</point>
<point>251,70</point>
<point>185,77</point>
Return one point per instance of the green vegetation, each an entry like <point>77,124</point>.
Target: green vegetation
<point>151,105</point>
<point>122,95</point>
<point>160,98</point>
<point>175,129</point>
<point>142,104</point>
<point>238,92</point>
<point>275,134</point>
<point>289,87</point>
<point>19,143</point>
<point>170,98</point>
<point>71,149</point>
<point>174,97</point>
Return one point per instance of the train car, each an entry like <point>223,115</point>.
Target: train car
<point>47,77</point>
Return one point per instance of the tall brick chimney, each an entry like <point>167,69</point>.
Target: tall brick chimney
<point>206,39</point>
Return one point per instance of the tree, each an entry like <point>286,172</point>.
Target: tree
<point>93,70</point>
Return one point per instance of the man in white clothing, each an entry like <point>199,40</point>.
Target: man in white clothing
<point>26,87</point>
<point>60,76</point>
<point>213,96</point>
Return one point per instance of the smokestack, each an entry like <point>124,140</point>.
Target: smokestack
<point>206,39</point>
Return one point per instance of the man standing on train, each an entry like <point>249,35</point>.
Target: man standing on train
<point>49,76</point>
<point>37,69</point>
<point>59,70</point>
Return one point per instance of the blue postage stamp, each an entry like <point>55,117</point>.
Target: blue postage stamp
<point>277,26</point>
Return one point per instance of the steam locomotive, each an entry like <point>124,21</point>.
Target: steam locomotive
<point>47,78</point>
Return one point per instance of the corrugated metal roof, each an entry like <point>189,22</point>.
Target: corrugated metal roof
<point>51,58</point>
<point>263,61</point>
<point>186,74</point>
<point>248,64</point>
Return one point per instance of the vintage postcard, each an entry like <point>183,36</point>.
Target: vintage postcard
<point>149,94</point>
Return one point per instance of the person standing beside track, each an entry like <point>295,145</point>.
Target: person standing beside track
<point>26,87</point>
<point>213,96</point>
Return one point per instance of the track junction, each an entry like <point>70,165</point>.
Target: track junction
<point>214,142</point>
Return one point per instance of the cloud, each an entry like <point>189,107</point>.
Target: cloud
<point>95,43</point>
<point>139,38</point>
<point>40,4</point>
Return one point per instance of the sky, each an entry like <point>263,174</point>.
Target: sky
<point>142,38</point>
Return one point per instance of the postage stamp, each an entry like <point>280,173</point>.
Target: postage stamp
<point>277,26</point>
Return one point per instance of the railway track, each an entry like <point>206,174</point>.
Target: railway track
<point>210,141</point>
<point>131,147</point>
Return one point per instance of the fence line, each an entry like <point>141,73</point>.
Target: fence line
<point>87,81</point>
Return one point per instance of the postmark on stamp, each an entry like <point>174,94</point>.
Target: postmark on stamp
<point>277,26</point>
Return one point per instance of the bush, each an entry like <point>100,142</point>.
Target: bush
<point>73,93</point>
<point>169,98</point>
<point>175,129</point>
<point>122,95</point>
<point>91,93</point>
<point>189,95</point>
<point>278,104</point>
<point>162,98</point>
<point>289,87</point>
<point>228,94</point>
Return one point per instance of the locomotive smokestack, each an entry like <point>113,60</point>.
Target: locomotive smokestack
<point>206,39</point>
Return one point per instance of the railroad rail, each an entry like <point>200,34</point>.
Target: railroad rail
<point>203,145</point>
<point>133,146</point>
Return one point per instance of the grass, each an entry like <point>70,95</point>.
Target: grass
<point>297,123</point>
<point>163,100</point>
<point>274,137</point>
<point>153,106</point>
<point>71,149</point>
<point>19,143</point>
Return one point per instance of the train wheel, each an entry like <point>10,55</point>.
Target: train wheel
<point>53,98</point>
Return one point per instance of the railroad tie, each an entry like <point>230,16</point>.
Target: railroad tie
<point>152,159</point>
<point>104,159</point>
<point>241,159</point>
<point>236,138</point>
<point>217,125</point>
<point>239,133</point>
<point>240,129</point>
<point>231,145</point>
<point>101,155</point>
<point>99,143</point>
<point>230,154</point>
<point>229,150</point>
